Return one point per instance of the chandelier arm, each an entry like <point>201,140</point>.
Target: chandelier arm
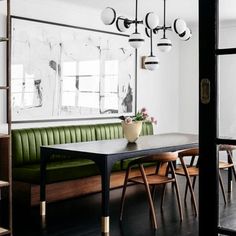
<point>169,28</point>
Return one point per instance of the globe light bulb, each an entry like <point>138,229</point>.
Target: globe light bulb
<point>151,63</point>
<point>151,20</point>
<point>186,35</point>
<point>136,40</point>
<point>164,45</point>
<point>179,26</point>
<point>108,16</point>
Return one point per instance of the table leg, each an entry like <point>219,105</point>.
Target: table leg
<point>43,163</point>
<point>105,177</point>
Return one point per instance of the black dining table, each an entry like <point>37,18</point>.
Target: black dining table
<point>105,153</point>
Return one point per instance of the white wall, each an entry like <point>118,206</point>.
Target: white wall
<point>188,86</point>
<point>158,91</point>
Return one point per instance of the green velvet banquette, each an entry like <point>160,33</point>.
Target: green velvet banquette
<point>26,153</point>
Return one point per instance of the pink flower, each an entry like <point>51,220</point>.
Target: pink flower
<point>128,120</point>
<point>153,120</point>
<point>144,110</point>
<point>144,113</point>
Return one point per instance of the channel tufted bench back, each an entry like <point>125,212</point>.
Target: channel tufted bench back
<point>26,142</point>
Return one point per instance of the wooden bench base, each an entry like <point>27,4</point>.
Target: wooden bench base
<point>26,193</point>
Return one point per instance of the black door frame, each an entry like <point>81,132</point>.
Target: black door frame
<point>208,119</point>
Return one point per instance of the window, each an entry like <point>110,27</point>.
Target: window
<point>90,85</point>
<point>26,90</point>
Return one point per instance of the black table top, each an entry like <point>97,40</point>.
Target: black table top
<point>144,145</point>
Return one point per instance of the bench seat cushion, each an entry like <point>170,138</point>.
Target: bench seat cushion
<point>59,171</point>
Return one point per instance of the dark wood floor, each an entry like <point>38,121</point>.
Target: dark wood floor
<point>81,217</point>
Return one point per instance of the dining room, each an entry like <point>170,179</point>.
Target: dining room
<point>117,117</point>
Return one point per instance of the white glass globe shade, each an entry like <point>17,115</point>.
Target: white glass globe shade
<point>108,16</point>
<point>136,40</point>
<point>151,63</point>
<point>179,26</point>
<point>151,20</point>
<point>120,24</point>
<point>186,35</point>
<point>164,45</point>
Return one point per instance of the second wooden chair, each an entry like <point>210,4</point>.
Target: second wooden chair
<point>191,170</point>
<point>154,179</point>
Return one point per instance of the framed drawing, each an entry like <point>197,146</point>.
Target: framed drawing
<point>62,72</point>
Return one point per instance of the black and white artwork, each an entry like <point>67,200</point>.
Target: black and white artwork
<point>67,72</point>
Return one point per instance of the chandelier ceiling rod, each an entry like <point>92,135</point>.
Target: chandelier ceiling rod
<point>164,27</point>
<point>136,17</point>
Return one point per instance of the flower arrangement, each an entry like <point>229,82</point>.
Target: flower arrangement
<point>141,115</point>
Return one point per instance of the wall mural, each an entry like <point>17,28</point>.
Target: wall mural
<point>67,72</point>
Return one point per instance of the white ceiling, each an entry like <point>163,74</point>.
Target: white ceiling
<point>186,9</point>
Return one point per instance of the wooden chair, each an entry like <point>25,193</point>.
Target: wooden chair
<point>229,163</point>
<point>192,171</point>
<point>157,178</point>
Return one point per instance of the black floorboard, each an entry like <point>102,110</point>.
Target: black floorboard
<point>81,217</point>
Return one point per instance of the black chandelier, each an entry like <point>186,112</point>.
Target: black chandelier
<point>152,27</point>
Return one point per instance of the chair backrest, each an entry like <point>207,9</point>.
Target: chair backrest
<point>188,152</point>
<point>161,157</point>
<point>226,147</point>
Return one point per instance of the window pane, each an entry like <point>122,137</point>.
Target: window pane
<point>17,71</point>
<point>111,67</point>
<point>29,85</point>
<point>111,102</point>
<point>68,99</point>
<point>89,67</point>
<point>89,100</point>
<point>89,83</point>
<point>69,68</point>
<point>227,96</point>
<point>17,86</point>
<point>69,84</point>
<point>16,99</point>
<point>227,26</point>
<point>28,99</point>
<point>111,84</point>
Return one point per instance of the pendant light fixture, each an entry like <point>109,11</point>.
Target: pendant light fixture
<point>151,62</point>
<point>151,24</point>
<point>136,39</point>
<point>178,26</point>
<point>164,44</point>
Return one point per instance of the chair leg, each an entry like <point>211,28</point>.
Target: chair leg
<point>190,186</point>
<point>149,196</point>
<point>178,200</point>
<point>186,192</point>
<point>123,193</point>
<point>222,187</point>
<point>194,181</point>
<point>163,196</point>
<point>153,192</point>
<point>231,170</point>
<point>177,191</point>
<point>230,159</point>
